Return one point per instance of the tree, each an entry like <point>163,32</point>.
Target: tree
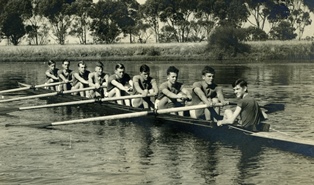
<point>227,40</point>
<point>230,12</point>
<point>259,9</point>
<point>278,13</point>
<point>104,25</point>
<point>58,12</point>
<point>284,31</point>
<point>150,12</point>
<point>127,17</point>
<point>299,17</point>
<point>15,11</point>
<point>14,32</point>
<point>82,21</point>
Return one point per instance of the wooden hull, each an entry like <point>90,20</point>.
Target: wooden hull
<point>201,128</point>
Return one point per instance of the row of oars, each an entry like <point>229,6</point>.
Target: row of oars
<point>269,107</point>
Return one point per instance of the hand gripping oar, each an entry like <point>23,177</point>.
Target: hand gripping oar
<point>13,109</point>
<point>27,87</point>
<point>120,116</point>
<point>48,94</point>
<point>270,108</point>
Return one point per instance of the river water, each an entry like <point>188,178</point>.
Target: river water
<point>123,152</point>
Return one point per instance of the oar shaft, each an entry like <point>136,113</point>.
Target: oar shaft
<point>29,97</point>
<point>131,115</point>
<point>47,94</point>
<point>80,102</point>
<point>49,84</point>
<point>101,118</point>
<point>58,104</point>
<point>30,87</point>
<point>15,90</point>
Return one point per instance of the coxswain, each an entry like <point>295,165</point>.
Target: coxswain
<point>247,113</point>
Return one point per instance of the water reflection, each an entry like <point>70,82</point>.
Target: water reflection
<point>140,152</point>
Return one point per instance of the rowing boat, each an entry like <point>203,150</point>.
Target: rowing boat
<point>201,128</point>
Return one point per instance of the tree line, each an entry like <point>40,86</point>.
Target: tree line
<point>107,21</point>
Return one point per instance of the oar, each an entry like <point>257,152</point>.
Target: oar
<point>47,94</point>
<point>120,116</point>
<point>270,108</point>
<point>27,87</point>
<point>13,109</point>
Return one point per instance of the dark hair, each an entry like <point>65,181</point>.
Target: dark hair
<point>240,82</point>
<point>172,69</point>
<point>51,62</point>
<point>99,64</point>
<point>81,62</point>
<point>119,66</point>
<point>144,68</point>
<point>65,61</point>
<point>208,69</point>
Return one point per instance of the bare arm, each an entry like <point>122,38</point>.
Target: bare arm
<point>136,85</point>
<point>91,81</point>
<point>82,80</point>
<point>155,87</point>
<point>230,119</point>
<point>187,93</point>
<point>51,76</point>
<point>221,97</point>
<point>119,85</point>
<point>198,91</point>
<point>171,94</point>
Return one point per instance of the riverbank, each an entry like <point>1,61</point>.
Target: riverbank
<point>260,51</point>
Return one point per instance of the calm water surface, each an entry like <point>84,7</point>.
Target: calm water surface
<point>122,152</point>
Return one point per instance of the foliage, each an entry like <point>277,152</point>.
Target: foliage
<point>227,40</point>
<point>284,31</point>
<point>14,32</point>
<point>58,12</point>
<point>256,34</point>
<point>81,22</point>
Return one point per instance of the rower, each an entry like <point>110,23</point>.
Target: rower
<point>97,79</point>
<point>172,93</point>
<point>209,93</point>
<point>120,84</point>
<point>80,79</point>
<point>248,110</point>
<point>52,74</point>
<point>144,84</point>
<point>66,76</point>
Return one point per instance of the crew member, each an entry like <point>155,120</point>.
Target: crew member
<point>66,76</point>
<point>52,74</point>
<point>172,93</point>
<point>209,93</point>
<point>99,80</point>
<point>144,84</point>
<point>80,79</point>
<point>120,84</point>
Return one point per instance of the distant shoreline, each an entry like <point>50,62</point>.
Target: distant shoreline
<point>287,51</point>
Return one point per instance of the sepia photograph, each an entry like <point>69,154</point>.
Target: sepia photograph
<point>156,92</point>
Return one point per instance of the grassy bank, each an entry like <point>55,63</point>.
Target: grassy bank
<point>261,51</point>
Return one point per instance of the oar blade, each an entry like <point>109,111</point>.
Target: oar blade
<point>273,107</point>
<point>6,110</point>
<point>39,125</point>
